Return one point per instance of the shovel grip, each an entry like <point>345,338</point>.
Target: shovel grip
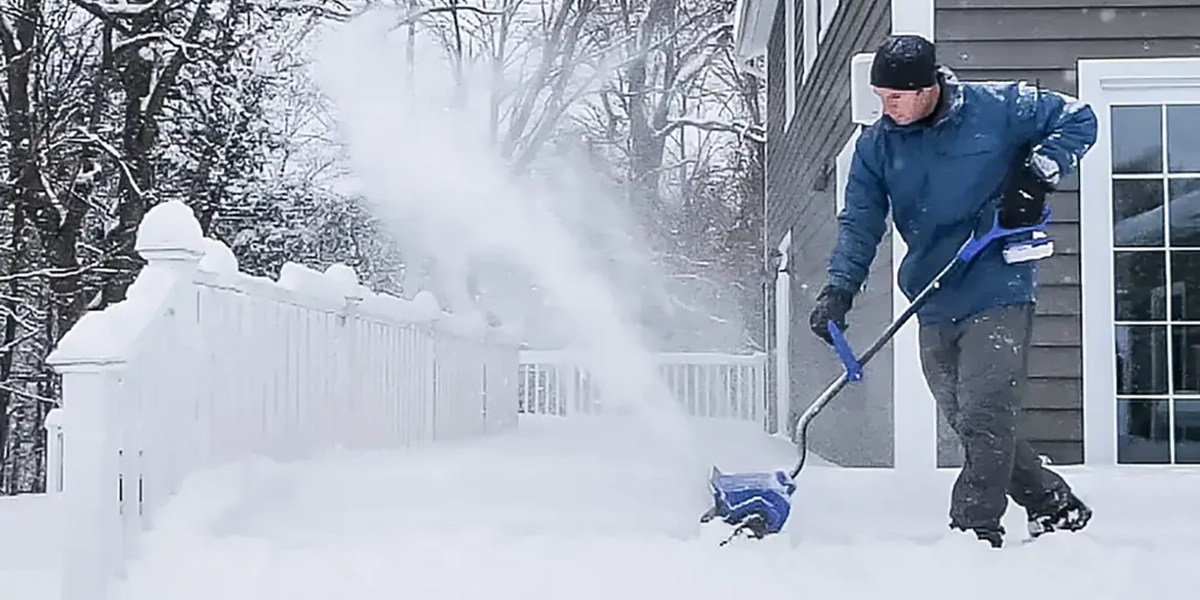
<point>854,370</point>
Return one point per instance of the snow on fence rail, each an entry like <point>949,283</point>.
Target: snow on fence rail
<point>202,365</point>
<point>730,386</point>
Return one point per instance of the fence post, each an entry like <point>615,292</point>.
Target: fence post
<point>54,456</point>
<point>431,382</point>
<point>100,499</point>
<point>479,347</point>
<point>357,420</point>
<point>762,397</point>
<point>90,527</point>
<point>170,452</point>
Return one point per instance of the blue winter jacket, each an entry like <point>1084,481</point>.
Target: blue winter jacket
<point>942,179</point>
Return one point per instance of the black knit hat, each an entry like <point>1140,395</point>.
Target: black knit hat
<point>904,62</point>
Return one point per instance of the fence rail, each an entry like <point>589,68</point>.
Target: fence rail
<point>730,386</point>
<point>202,365</point>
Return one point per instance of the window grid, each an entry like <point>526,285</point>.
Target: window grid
<point>1169,323</point>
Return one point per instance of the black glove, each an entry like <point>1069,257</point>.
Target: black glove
<point>1024,199</point>
<point>832,305</point>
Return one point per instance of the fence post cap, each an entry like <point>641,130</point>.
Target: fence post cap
<point>218,258</point>
<point>93,345</point>
<point>345,280</point>
<point>428,304</point>
<point>54,419</point>
<point>170,231</point>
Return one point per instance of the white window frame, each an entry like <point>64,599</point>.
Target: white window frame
<point>1103,83</point>
<point>843,170</point>
<point>812,43</point>
<point>818,16</point>
<point>828,10</point>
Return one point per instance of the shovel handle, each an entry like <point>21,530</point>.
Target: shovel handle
<point>975,245</point>
<point>854,369</point>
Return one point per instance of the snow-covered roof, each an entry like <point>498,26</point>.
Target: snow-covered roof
<point>752,27</point>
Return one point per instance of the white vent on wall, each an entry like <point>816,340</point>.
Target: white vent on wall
<point>865,108</point>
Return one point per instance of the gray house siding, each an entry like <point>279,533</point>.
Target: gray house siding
<point>1043,40</point>
<point>778,165</point>
<point>856,429</point>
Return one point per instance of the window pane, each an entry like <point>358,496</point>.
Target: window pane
<point>1141,359</point>
<point>1140,283</point>
<point>1137,212</point>
<point>1187,431</point>
<point>1143,431</point>
<point>1185,275</point>
<point>1183,138</point>
<point>1137,139</point>
<point>1185,358</point>
<point>1184,212</point>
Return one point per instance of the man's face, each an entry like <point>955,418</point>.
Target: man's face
<point>908,106</point>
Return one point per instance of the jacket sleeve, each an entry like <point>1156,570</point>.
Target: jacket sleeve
<point>863,220</point>
<point>1059,127</point>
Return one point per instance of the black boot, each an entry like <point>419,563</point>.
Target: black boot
<point>992,535</point>
<point>1066,513</point>
<point>995,537</point>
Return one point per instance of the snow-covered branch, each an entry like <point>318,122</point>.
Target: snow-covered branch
<point>23,393</point>
<point>140,40</point>
<point>418,15</point>
<point>54,273</point>
<point>119,7</point>
<point>112,151</point>
<point>754,132</point>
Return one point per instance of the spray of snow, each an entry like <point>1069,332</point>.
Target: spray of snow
<point>433,172</point>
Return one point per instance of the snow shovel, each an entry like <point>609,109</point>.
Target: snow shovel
<point>758,504</point>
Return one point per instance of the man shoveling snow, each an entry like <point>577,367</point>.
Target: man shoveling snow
<point>939,155</point>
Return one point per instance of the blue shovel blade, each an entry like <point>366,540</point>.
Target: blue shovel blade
<point>738,495</point>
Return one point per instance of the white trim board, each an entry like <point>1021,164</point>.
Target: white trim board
<point>1102,83</point>
<point>842,164</point>
<point>817,18</point>
<point>914,413</point>
<point>752,20</point>
<point>913,16</point>
<point>789,67</point>
<point>812,43</point>
<point>783,323</point>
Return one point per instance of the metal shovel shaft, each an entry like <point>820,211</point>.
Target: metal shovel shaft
<point>969,250</point>
<point>801,436</point>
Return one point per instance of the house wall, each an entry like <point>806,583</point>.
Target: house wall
<point>855,429</point>
<point>1043,40</point>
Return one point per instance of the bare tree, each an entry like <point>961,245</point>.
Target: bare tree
<point>649,93</point>
<point>103,104</point>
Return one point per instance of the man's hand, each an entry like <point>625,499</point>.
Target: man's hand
<point>1025,198</point>
<point>832,305</point>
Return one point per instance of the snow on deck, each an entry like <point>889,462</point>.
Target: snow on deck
<point>587,508</point>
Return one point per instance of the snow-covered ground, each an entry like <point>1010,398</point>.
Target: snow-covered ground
<point>593,508</point>
<point>28,547</point>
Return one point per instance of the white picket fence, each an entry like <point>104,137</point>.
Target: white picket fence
<point>727,386</point>
<point>203,365</point>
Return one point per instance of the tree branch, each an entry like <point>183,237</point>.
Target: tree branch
<point>416,16</point>
<point>754,132</point>
<point>116,155</point>
<point>54,272</point>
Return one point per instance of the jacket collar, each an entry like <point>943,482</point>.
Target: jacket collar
<point>949,106</point>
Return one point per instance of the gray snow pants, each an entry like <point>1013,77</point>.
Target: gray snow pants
<point>977,371</point>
